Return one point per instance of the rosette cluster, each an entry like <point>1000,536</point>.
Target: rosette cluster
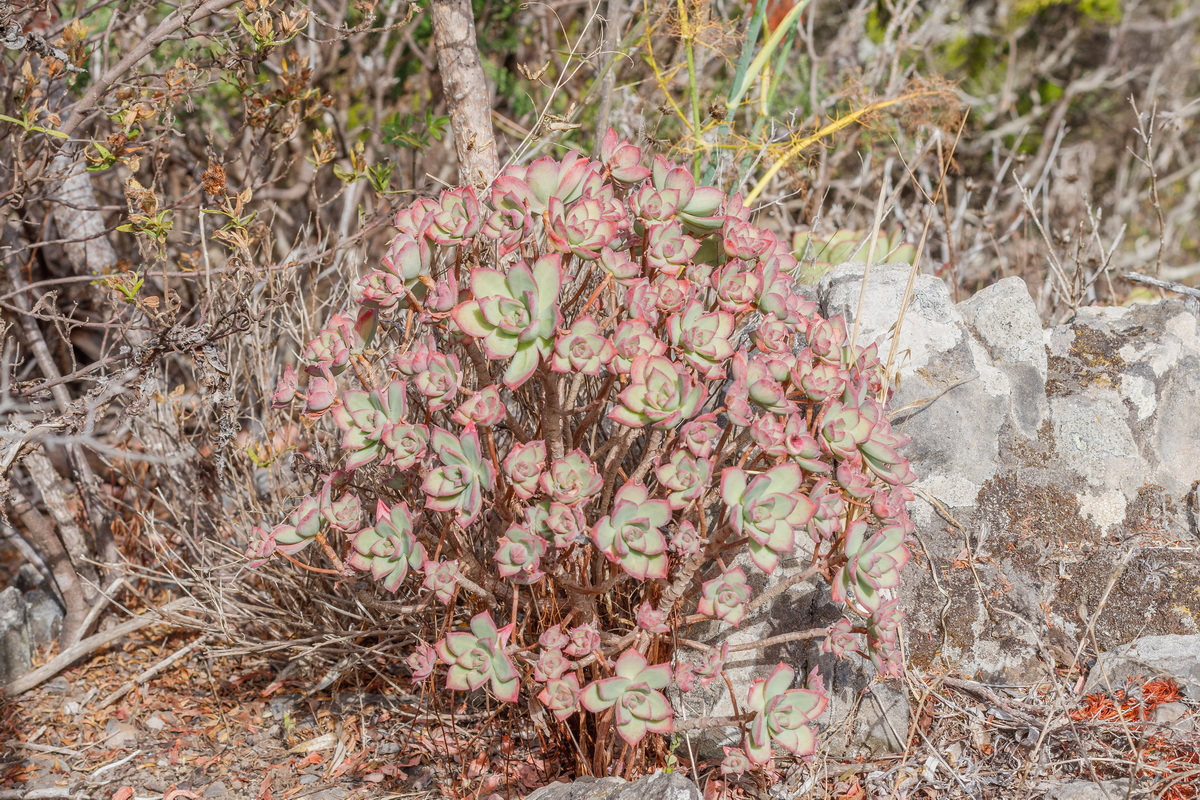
<point>597,376</point>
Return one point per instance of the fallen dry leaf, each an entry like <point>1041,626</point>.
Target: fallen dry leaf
<point>322,742</point>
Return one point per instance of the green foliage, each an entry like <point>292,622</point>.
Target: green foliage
<point>415,132</point>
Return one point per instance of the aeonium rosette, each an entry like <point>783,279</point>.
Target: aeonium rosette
<point>583,398</point>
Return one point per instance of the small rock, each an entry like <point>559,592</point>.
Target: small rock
<point>333,793</point>
<point>1150,657</point>
<point>59,685</point>
<point>44,615</point>
<point>120,734</point>
<point>216,790</point>
<point>16,649</point>
<point>1086,790</point>
<point>1170,713</point>
<point>586,788</point>
<point>659,786</point>
<point>308,778</point>
<point>284,704</point>
<point>155,722</point>
<point>29,578</point>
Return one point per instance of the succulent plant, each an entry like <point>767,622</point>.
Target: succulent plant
<point>582,349</point>
<point>466,474</point>
<point>422,662</point>
<point>387,549</point>
<point>668,249</point>
<point>660,394</point>
<point>572,479</point>
<point>782,716</point>
<point>300,529</point>
<point>514,315</point>
<point>553,638</point>
<point>684,540</point>
<point>561,696</point>
<point>583,640</point>
<point>736,762</point>
<point>566,523</point>
<point>651,620</point>
<point>755,389</point>
<point>631,535</point>
<point>634,338</point>
<point>478,657</point>
<point>441,578</point>
<point>262,546</point>
<point>440,381</point>
<point>456,218</point>
<point>285,390</point>
<point>685,476</point>
<point>634,692</point>
<point>713,665</point>
<point>702,338</point>
<point>484,407</point>
<point>320,395</point>
<point>621,159</point>
<point>768,509</point>
<point>828,518</point>
<point>406,445</point>
<point>519,555</point>
<point>724,597</point>
<point>407,262</point>
<point>883,638</point>
<point>523,466</point>
<point>841,639</point>
<point>551,665</point>
<point>570,359</point>
<point>343,511</point>
<point>365,419</point>
<point>873,563</point>
<point>590,224</point>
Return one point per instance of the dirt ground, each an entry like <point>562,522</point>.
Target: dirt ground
<point>251,728</point>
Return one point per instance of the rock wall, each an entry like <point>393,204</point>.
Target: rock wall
<point>1057,470</point>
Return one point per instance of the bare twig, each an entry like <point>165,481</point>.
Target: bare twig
<point>1169,286</point>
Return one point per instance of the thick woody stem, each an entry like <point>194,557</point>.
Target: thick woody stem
<point>466,90</point>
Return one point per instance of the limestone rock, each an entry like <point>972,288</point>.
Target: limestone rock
<point>1147,658</point>
<point>1042,458</point>
<point>1086,790</point>
<point>659,786</point>
<point>16,648</point>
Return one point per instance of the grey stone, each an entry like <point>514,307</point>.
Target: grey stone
<point>216,789</point>
<point>44,616</point>
<point>1003,317</point>
<point>332,793</point>
<point>586,788</point>
<point>119,734</point>
<point>29,578</point>
<point>59,685</point>
<point>1176,657</point>
<point>659,786</point>
<point>932,323</point>
<point>16,648</point>
<point>1086,790</point>
<point>1170,713</point>
<point>1042,457</point>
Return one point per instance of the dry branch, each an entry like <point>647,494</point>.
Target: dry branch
<point>466,90</point>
